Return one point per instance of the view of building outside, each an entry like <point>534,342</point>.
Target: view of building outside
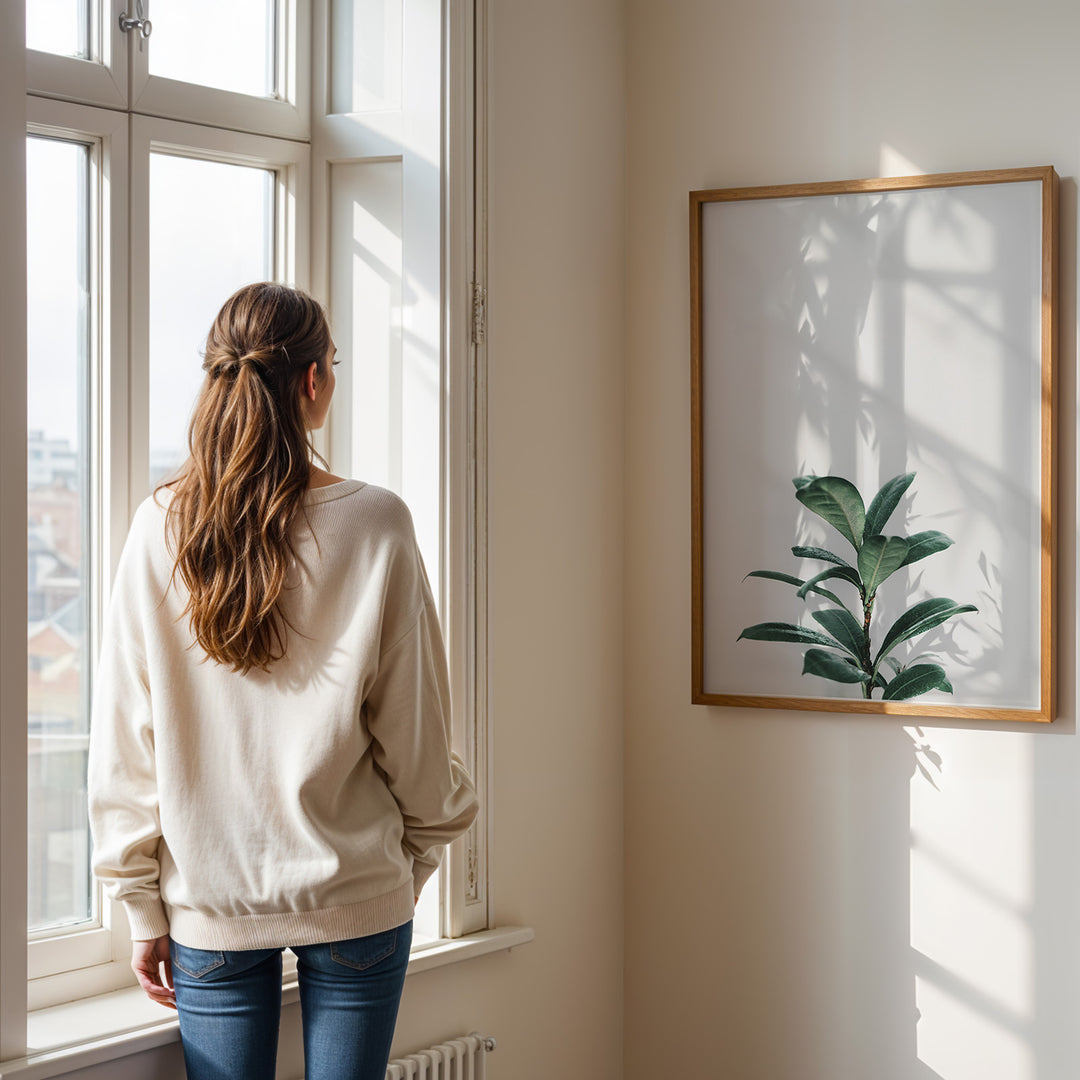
<point>58,275</point>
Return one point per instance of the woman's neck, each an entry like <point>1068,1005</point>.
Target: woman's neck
<point>321,478</point>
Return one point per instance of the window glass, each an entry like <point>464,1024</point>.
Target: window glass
<point>229,46</point>
<point>211,231</point>
<point>58,501</point>
<point>58,26</point>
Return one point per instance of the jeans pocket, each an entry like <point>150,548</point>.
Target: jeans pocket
<point>364,952</point>
<point>195,962</point>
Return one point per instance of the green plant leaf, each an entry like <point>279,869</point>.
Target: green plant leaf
<point>926,543</point>
<point>837,501</point>
<point>818,553</point>
<point>830,666</point>
<point>884,503</point>
<point>846,629</point>
<point>781,631</point>
<point>847,573</point>
<point>777,575</point>
<point>879,557</point>
<point>916,680</point>
<point>801,481</point>
<point>791,579</point>
<point>917,620</point>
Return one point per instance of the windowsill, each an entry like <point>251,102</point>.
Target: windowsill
<point>83,1033</point>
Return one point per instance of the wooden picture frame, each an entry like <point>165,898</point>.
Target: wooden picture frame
<point>866,330</point>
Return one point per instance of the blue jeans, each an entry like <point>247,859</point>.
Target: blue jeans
<point>229,1005</point>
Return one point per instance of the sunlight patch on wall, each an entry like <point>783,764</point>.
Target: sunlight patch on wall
<point>894,163</point>
<point>971,901</point>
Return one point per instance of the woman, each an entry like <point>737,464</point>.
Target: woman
<point>270,759</point>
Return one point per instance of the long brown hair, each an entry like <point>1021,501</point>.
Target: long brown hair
<point>242,488</point>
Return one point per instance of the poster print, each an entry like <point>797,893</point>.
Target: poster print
<point>873,445</point>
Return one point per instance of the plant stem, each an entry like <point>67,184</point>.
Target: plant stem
<point>868,609</point>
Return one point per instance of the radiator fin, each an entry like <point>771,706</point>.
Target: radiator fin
<point>456,1059</point>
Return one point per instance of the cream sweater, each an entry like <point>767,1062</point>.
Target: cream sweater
<point>304,805</point>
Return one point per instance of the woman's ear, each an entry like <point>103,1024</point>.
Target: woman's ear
<point>309,380</point>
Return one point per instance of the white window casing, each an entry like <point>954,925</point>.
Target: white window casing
<point>465,442</point>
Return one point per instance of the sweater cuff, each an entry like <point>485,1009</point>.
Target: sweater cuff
<point>146,918</point>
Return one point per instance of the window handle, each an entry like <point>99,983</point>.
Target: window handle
<point>142,24</point>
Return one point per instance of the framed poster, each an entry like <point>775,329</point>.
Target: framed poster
<point>873,467</point>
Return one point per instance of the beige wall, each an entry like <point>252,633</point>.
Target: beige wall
<point>801,901</point>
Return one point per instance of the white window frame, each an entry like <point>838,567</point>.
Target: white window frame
<point>288,159</point>
<point>105,83</point>
<point>106,133</point>
<point>287,116</point>
<point>83,961</point>
<point>101,79</point>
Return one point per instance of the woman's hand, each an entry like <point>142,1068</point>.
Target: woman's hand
<point>147,960</point>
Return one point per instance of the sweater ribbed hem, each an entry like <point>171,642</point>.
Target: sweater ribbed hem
<point>280,929</point>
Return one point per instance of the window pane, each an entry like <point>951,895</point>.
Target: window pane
<point>211,231</point>
<point>58,26</point>
<point>228,46</point>
<point>58,501</point>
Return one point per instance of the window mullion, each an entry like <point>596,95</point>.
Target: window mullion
<point>137,316</point>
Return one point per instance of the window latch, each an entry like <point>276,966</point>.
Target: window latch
<point>142,24</point>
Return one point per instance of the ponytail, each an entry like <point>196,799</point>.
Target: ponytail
<point>237,498</point>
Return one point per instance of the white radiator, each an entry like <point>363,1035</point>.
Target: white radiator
<point>457,1059</point>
